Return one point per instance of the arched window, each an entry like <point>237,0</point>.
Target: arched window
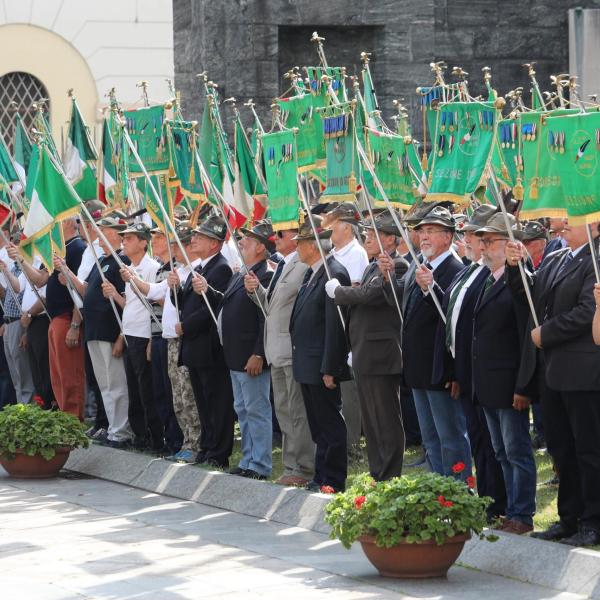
<point>18,92</point>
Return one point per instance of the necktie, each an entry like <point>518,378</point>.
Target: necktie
<point>452,302</point>
<point>305,281</point>
<point>275,279</point>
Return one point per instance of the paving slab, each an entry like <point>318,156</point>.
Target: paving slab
<point>517,557</point>
<point>67,539</point>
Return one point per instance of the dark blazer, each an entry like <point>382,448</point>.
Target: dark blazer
<point>375,327</point>
<point>200,346</point>
<point>498,329</point>
<point>446,368</point>
<point>242,321</point>
<point>564,303</point>
<point>420,325</point>
<point>319,345</point>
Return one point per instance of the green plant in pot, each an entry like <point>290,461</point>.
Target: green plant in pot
<point>409,527</point>
<point>36,442</point>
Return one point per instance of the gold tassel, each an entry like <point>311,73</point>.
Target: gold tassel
<point>192,177</point>
<point>534,192</point>
<point>424,162</point>
<point>415,191</point>
<point>352,183</point>
<point>172,173</point>
<point>504,172</point>
<point>518,191</point>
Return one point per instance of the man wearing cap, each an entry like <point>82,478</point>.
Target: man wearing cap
<point>374,332</point>
<point>562,291</point>
<point>452,363</point>
<point>242,335</point>
<point>344,221</point>
<point>297,448</point>
<point>143,415</point>
<point>65,351</point>
<point>441,418</point>
<point>102,332</point>
<point>201,350</point>
<point>535,239</point>
<point>498,327</point>
<point>178,386</point>
<point>319,352</point>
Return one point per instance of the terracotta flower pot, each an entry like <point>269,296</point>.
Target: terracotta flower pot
<point>421,559</point>
<point>23,466</point>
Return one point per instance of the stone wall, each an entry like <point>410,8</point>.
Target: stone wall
<point>246,45</point>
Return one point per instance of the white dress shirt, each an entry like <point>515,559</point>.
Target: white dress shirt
<point>29,296</point>
<point>354,257</point>
<point>136,319</point>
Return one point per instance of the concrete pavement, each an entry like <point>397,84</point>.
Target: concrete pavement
<point>79,538</point>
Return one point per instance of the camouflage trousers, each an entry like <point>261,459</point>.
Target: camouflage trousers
<point>184,403</point>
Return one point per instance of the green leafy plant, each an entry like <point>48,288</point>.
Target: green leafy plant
<point>28,428</point>
<point>430,506</point>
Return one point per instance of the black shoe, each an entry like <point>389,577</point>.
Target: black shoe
<point>586,536</point>
<point>101,437</point>
<point>557,531</point>
<point>92,431</point>
<point>211,462</point>
<point>313,486</point>
<point>237,471</point>
<point>119,445</point>
<point>251,474</point>
<point>140,443</point>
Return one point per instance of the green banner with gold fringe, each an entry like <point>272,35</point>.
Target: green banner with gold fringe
<point>389,157</point>
<point>462,151</point>
<point>281,172</point>
<point>148,134</point>
<point>299,111</point>
<point>342,163</point>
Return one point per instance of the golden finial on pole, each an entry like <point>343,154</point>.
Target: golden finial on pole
<point>365,57</point>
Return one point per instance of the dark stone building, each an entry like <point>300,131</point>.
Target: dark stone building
<point>246,45</point>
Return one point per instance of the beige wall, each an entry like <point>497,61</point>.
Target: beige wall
<point>56,64</point>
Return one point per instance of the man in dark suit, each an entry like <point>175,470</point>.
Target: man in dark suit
<point>498,326</point>
<point>319,353</point>
<point>562,290</point>
<point>242,335</point>
<point>441,418</point>
<point>453,360</point>
<point>374,332</point>
<point>200,349</point>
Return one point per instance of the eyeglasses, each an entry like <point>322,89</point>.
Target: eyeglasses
<point>489,241</point>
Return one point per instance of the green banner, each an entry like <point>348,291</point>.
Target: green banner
<point>343,166</point>
<point>390,159</point>
<point>182,146</point>
<point>299,111</point>
<point>281,171</point>
<point>148,134</point>
<point>543,193</point>
<point>462,151</point>
<point>572,143</point>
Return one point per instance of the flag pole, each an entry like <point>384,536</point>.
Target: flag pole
<point>165,216</point>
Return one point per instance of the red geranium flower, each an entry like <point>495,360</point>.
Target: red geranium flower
<point>448,503</point>
<point>441,500</point>
<point>459,467</point>
<point>359,501</point>
<point>327,489</point>
<point>471,481</point>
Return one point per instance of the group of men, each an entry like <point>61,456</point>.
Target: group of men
<point>343,326</point>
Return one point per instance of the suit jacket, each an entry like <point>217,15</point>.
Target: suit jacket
<point>319,345</point>
<point>375,327</point>
<point>420,325</point>
<point>562,292</point>
<point>242,321</point>
<point>277,342</point>
<point>200,346</point>
<point>498,329</point>
<point>445,367</point>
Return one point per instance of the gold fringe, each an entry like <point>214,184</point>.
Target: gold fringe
<point>505,172</point>
<point>424,163</point>
<point>285,225</point>
<point>534,193</point>
<point>518,191</point>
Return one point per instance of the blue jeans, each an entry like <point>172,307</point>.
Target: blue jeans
<point>509,430</point>
<point>444,431</point>
<point>253,407</point>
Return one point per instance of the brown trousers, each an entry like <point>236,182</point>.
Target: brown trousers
<point>67,372</point>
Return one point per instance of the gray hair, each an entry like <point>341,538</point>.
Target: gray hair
<point>355,231</point>
<point>325,244</point>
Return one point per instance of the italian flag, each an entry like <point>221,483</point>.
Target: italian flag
<point>52,198</point>
<point>107,170</point>
<point>23,149</point>
<point>79,156</point>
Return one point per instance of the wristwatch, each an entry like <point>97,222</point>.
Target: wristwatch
<point>75,325</point>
